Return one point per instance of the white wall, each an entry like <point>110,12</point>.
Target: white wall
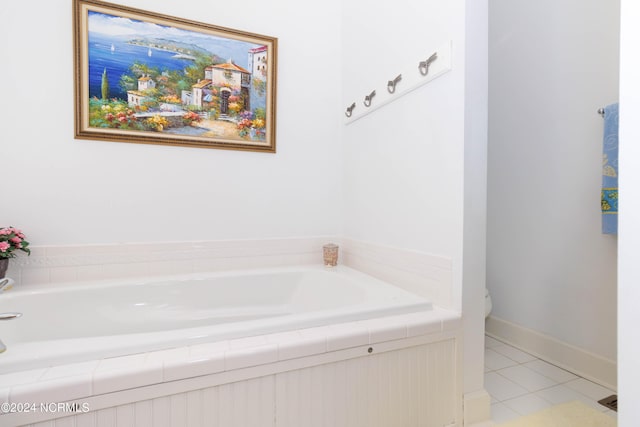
<point>403,174</point>
<point>61,191</point>
<point>551,66</point>
<point>628,267</point>
<point>405,164</point>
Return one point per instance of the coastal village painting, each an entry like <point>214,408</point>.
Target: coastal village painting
<point>143,77</point>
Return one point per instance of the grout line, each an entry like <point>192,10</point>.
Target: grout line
<point>557,383</point>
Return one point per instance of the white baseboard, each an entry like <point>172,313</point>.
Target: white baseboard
<point>477,408</point>
<point>574,359</point>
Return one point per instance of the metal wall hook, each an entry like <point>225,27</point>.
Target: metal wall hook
<point>349,111</point>
<point>10,316</point>
<point>368,98</point>
<point>391,85</point>
<point>423,66</point>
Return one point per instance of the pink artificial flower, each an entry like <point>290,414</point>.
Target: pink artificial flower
<point>4,246</point>
<point>18,245</point>
<point>15,239</point>
<point>5,231</point>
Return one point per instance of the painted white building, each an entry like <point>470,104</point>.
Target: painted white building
<point>138,97</point>
<point>258,62</point>
<point>228,77</point>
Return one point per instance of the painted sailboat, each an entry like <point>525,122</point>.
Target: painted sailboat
<point>149,52</point>
<point>113,48</point>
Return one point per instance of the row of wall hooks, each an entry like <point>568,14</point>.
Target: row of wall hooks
<point>423,67</point>
<point>435,65</point>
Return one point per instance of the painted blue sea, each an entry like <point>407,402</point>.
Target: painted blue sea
<point>118,59</point>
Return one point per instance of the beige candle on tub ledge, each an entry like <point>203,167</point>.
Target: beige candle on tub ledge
<point>330,254</point>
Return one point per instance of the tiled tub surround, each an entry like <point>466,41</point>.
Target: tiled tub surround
<point>354,373</point>
<point>325,375</point>
<point>427,275</point>
<point>81,322</point>
<point>79,263</point>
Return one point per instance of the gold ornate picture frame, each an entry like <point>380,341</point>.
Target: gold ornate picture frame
<point>148,78</point>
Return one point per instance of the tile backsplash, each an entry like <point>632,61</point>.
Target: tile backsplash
<point>424,274</point>
<point>61,264</point>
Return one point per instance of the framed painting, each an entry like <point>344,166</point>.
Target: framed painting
<point>148,78</point>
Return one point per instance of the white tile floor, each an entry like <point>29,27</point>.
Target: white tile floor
<point>520,384</point>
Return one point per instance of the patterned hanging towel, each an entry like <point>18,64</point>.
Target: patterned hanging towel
<point>609,193</point>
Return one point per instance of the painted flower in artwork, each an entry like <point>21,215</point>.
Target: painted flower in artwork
<point>190,118</point>
<point>157,123</point>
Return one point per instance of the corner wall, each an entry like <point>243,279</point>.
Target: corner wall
<point>414,170</point>
<point>403,163</point>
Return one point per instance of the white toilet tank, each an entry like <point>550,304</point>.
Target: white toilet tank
<point>487,303</point>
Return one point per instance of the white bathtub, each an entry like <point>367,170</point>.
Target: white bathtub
<point>73,323</point>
